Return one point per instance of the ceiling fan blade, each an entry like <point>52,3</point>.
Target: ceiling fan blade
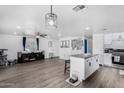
<point>43,35</point>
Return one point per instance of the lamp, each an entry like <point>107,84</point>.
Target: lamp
<point>51,19</point>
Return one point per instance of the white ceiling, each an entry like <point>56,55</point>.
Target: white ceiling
<point>31,18</point>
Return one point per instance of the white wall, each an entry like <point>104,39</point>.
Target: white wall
<point>64,53</point>
<point>14,45</point>
<point>98,43</point>
<point>56,47</point>
<point>44,46</point>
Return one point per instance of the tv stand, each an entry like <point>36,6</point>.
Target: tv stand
<point>29,56</point>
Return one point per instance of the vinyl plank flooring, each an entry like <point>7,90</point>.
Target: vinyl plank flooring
<point>49,73</point>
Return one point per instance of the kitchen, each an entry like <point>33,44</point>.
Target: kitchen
<point>111,48</point>
<point>108,50</point>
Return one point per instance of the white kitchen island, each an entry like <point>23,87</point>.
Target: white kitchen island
<point>83,65</point>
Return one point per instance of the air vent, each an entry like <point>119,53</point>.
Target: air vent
<point>78,8</point>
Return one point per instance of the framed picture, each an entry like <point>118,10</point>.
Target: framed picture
<point>68,43</point>
<point>65,44</point>
<point>77,44</point>
<point>62,44</point>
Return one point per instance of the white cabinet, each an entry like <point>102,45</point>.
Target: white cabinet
<point>77,67</point>
<point>84,67</point>
<point>115,36</point>
<point>108,38</point>
<point>91,65</point>
<point>107,59</point>
<point>96,61</point>
<point>122,34</point>
<point>88,67</point>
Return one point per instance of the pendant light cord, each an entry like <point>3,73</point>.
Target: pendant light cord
<point>51,9</point>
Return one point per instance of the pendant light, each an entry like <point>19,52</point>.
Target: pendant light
<point>51,19</point>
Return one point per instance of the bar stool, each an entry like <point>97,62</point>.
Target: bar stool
<point>3,60</point>
<point>67,66</point>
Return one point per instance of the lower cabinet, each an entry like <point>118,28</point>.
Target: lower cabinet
<point>91,65</point>
<point>77,67</point>
<point>107,59</point>
<point>84,67</point>
<point>88,67</point>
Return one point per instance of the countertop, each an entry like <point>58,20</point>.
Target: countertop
<point>83,56</point>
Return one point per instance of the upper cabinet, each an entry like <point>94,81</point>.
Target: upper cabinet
<point>108,38</point>
<point>116,36</point>
<point>122,34</point>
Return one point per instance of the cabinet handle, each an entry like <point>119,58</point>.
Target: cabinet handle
<point>89,63</point>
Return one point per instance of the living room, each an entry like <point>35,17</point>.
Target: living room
<point>38,42</point>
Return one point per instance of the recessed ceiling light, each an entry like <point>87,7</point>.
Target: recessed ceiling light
<point>87,28</point>
<point>15,33</point>
<point>59,34</point>
<point>18,27</point>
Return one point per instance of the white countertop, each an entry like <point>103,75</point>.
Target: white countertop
<point>85,56</point>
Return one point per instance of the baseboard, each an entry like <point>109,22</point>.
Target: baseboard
<point>52,57</point>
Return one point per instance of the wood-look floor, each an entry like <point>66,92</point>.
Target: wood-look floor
<point>50,73</point>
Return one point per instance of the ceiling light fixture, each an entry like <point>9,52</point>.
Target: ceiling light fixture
<point>87,28</point>
<point>18,27</point>
<point>15,33</point>
<point>51,19</point>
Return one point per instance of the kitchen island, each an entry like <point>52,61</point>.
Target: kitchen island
<point>83,65</point>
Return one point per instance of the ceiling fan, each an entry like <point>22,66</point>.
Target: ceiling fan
<point>78,8</point>
<point>38,34</point>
